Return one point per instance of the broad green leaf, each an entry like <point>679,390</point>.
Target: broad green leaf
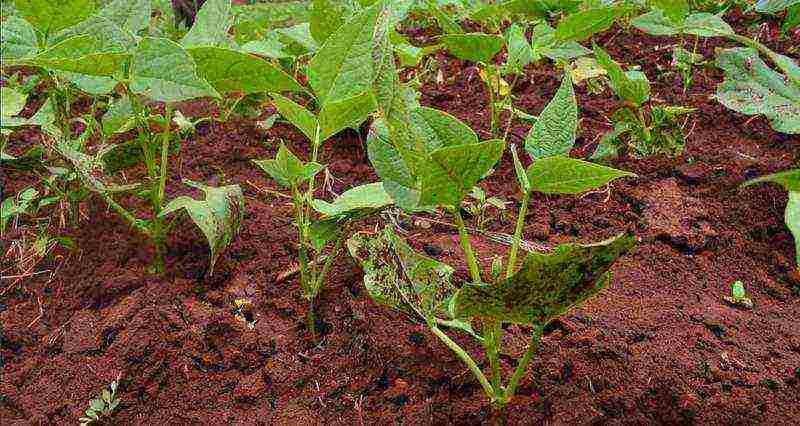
<point>628,86</point>
<point>231,71</point>
<point>452,171</point>
<point>520,52</point>
<point>342,68</point>
<point>476,47</point>
<point>119,117</point>
<point>302,118</point>
<point>164,71</point>
<point>706,25</point>
<point>269,47</point>
<point>12,101</point>
<point>91,84</point>
<point>384,157</point>
<point>17,39</point>
<point>211,26</point>
<point>219,216</point>
<point>567,50</point>
<point>674,10</point>
<point>582,25</point>
<point>447,24</point>
<point>398,277</point>
<point>773,6</point>
<point>637,87</point>
<point>564,175</point>
<point>789,179</point>
<point>288,170</point>
<point>369,197</point>
<point>50,16</point>
<point>554,131</point>
<point>655,23</point>
<point>298,38</point>
<point>326,17</point>
<point>751,87</point>
<point>792,217</point>
<point>338,115</point>
<point>85,54</point>
<point>546,286</point>
<point>440,129</point>
<point>116,24</point>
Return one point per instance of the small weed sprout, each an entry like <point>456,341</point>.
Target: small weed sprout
<point>100,409</point>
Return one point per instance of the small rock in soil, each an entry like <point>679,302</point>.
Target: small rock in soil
<point>432,250</point>
<point>416,338</point>
<point>81,336</point>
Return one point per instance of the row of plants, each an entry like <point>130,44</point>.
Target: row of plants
<point>135,63</point>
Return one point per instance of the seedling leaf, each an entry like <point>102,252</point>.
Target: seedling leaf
<point>288,170</point>
<point>219,216</point>
<point>563,175</point>
<point>165,72</point>
<point>546,286</point>
<point>554,131</point>
<point>354,201</point>
<point>232,71</point>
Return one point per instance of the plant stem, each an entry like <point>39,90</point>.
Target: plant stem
<point>162,178</point>
<point>128,216</point>
<point>487,387</point>
<point>511,389</point>
<point>492,107</point>
<point>492,346</point>
<point>466,246</point>
<point>512,254</point>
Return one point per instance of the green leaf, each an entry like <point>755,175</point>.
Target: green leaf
<point>751,87</point>
<point>211,26</point>
<point>339,115</point>
<point>706,25</point>
<point>12,101</point>
<point>655,23</point>
<point>119,117</point>
<point>398,277</point>
<point>547,286</point>
<point>288,170</point>
<point>231,71</point>
<point>363,198</point>
<point>91,84</point>
<point>164,71</point>
<point>326,17</point>
<point>117,24</point>
<point>83,54</point>
<point>447,24</point>
<point>384,157</point>
<point>792,218</point>
<point>18,39</point>
<point>773,6</point>
<point>452,171</point>
<point>554,131</point>
<point>563,175</point>
<point>582,25</point>
<point>631,86</point>
<point>520,52</point>
<point>50,16</point>
<point>342,68</point>
<point>476,47</point>
<point>789,179</point>
<point>440,129</point>
<point>302,118</point>
<point>674,10</point>
<point>737,290</point>
<point>219,216</point>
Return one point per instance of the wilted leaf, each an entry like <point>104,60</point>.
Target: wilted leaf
<point>546,286</point>
<point>164,71</point>
<point>476,47</point>
<point>563,175</point>
<point>363,198</point>
<point>219,216</point>
<point>751,87</point>
<point>452,171</point>
<point>232,71</point>
<point>554,131</point>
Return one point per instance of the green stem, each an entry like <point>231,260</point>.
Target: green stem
<point>492,107</point>
<point>645,128</point>
<point>319,280</point>
<point>299,218</point>
<point>466,359</point>
<point>128,216</point>
<point>512,255</point>
<point>511,118</point>
<point>492,346</point>
<point>466,246</point>
<point>511,389</point>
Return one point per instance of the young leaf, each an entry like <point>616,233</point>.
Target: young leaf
<point>118,118</point>
<point>751,87</point>
<point>18,39</point>
<point>219,216</point>
<point>520,52</point>
<point>773,6</point>
<point>454,170</point>
<point>211,26</point>
<point>84,54</point>
<point>232,71</point>
<point>563,175</point>
<point>302,118</point>
<point>440,129</point>
<point>554,131</point>
<point>582,25</point>
<point>164,71</point>
<point>338,115</point>
<point>288,170</point>
<point>369,197</point>
<point>633,87</point>
<point>789,179</point>
<point>546,286</point>
<point>326,17</point>
<point>476,47</point>
<point>49,16</point>
<point>342,68</point>
<point>398,277</point>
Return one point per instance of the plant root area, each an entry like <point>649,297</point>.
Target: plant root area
<point>659,345</point>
